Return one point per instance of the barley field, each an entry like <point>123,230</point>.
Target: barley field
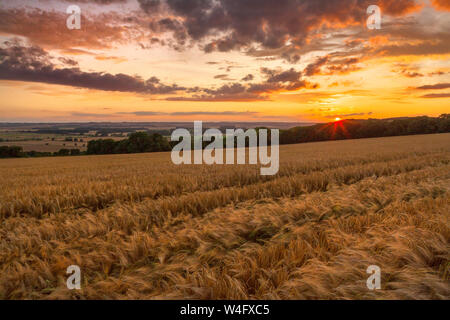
<point>140,227</point>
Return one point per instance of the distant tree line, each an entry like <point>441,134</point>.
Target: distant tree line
<point>137,142</point>
<point>356,129</point>
<point>17,152</point>
<point>10,152</point>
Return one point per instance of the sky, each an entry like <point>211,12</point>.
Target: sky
<point>223,60</point>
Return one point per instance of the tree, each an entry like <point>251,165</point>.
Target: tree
<point>11,152</point>
<point>75,152</point>
<point>105,146</point>
<point>139,142</point>
<point>63,152</point>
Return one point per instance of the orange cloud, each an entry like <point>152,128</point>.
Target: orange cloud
<point>441,4</point>
<point>48,29</point>
<point>399,7</point>
<point>378,40</point>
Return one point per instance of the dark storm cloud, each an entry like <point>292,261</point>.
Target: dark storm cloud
<point>270,29</point>
<point>150,6</point>
<point>35,65</point>
<point>170,25</point>
<point>267,22</point>
<point>287,29</point>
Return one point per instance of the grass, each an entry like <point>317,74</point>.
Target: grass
<point>141,227</point>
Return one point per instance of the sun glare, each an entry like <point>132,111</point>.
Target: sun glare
<point>337,119</point>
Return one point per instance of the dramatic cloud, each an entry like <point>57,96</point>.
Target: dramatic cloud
<point>275,81</point>
<point>226,93</point>
<point>266,23</point>
<point>288,28</point>
<point>35,65</point>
